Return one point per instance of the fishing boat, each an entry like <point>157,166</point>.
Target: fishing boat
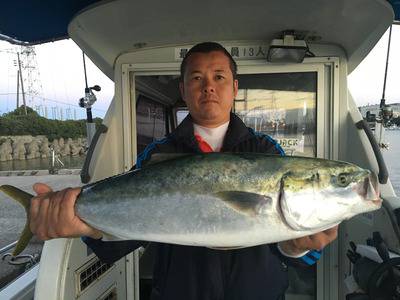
<point>293,57</point>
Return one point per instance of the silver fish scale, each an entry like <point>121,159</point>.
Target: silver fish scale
<point>180,201</point>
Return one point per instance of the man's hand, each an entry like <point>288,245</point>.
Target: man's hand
<point>316,241</point>
<point>52,214</point>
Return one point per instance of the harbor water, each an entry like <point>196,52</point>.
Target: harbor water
<point>392,158</point>
<point>69,162</point>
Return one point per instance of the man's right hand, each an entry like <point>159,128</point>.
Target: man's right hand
<point>52,214</point>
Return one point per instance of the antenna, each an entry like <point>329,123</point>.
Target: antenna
<point>382,104</point>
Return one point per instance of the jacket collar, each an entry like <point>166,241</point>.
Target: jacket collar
<point>236,133</point>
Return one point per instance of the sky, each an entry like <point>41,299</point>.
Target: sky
<point>59,78</point>
<point>366,81</point>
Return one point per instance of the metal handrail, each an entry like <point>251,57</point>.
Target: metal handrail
<point>85,177</point>
<point>383,173</point>
<point>8,247</point>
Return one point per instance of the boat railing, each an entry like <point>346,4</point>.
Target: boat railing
<point>23,287</point>
<point>7,248</point>
<point>28,260</point>
<point>383,173</point>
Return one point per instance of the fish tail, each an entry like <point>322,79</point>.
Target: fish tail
<point>24,199</point>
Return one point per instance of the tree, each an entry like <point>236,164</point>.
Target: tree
<point>17,123</point>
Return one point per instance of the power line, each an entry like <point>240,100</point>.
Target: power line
<point>9,51</point>
<point>51,100</point>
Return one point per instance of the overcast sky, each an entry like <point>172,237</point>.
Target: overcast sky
<point>366,81</point>
<point>61,77</point>
<point>60,74</point>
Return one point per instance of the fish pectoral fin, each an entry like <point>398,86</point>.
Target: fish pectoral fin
<point>109,237</point>
<point>246,203</point>
<point>24,199</point>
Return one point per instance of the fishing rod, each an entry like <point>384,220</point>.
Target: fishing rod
<point>385,111</point>
<point>87,102</point>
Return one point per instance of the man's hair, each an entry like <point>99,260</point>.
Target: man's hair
<point>208,47</point>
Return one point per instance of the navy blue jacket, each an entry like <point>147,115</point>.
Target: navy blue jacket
<point>183,272</point>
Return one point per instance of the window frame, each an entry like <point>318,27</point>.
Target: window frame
<point>327,89</point>
<point>327,127</point>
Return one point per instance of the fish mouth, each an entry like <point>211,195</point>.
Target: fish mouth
<point>368,189</point>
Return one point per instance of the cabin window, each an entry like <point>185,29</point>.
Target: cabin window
<point>150,122</point>
<point>283,106</point>
<point>181,113</point>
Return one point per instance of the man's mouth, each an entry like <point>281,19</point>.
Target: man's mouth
<point>209,100</point>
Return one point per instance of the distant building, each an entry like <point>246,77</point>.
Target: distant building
<point>374,109</point>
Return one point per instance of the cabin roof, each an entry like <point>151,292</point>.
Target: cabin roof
<point>106,29</point>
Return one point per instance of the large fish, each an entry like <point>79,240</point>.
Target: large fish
<point>223,200</point>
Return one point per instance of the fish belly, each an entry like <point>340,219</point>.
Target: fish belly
<point>198,220</point>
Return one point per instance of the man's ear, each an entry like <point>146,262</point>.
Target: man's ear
<point>235,87</point>
<point>182,90</point>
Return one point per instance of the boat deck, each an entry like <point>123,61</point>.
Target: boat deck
<point>12,217</point>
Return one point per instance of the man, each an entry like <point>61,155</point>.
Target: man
<point>208,86</point>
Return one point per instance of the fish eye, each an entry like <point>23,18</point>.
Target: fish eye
<point>342,179</point>
<point>315,177</point>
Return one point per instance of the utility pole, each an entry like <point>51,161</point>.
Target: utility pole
<point>17,89</point>
<point>30,66</point>
<point>54,112</point>
<point>22,83</point>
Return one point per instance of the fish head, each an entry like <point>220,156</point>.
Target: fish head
<point>321,196</point>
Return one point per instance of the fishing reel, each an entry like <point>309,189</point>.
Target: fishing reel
<point>376,271</point>
<point>386,112</point>
<point>90,97</point>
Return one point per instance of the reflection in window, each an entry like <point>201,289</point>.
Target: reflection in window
<point>282,106</point>
<point>180,115</point>
<point>150,122</point>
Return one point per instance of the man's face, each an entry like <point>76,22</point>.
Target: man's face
<point>208,88</point>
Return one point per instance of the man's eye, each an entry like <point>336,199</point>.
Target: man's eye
<point>196,78</point>
<point>219,77</point>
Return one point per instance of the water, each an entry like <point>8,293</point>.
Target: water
<point>70,162</point>
<point>392,158</point>
<point>13,216</point>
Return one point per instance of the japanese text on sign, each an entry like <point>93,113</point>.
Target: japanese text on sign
<point>237,52</point>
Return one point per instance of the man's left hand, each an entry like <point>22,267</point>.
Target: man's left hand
<point>315,241</point>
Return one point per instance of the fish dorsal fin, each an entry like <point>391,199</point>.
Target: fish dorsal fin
<point>24,199</point>
<point>250,204</point>
<point>160,157</point>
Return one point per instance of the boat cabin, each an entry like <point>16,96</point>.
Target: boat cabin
<point>305,105</point>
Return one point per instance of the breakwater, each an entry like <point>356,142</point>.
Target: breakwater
<point>32,147</point>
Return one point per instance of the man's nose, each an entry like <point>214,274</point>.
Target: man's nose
<point>208,86</point>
